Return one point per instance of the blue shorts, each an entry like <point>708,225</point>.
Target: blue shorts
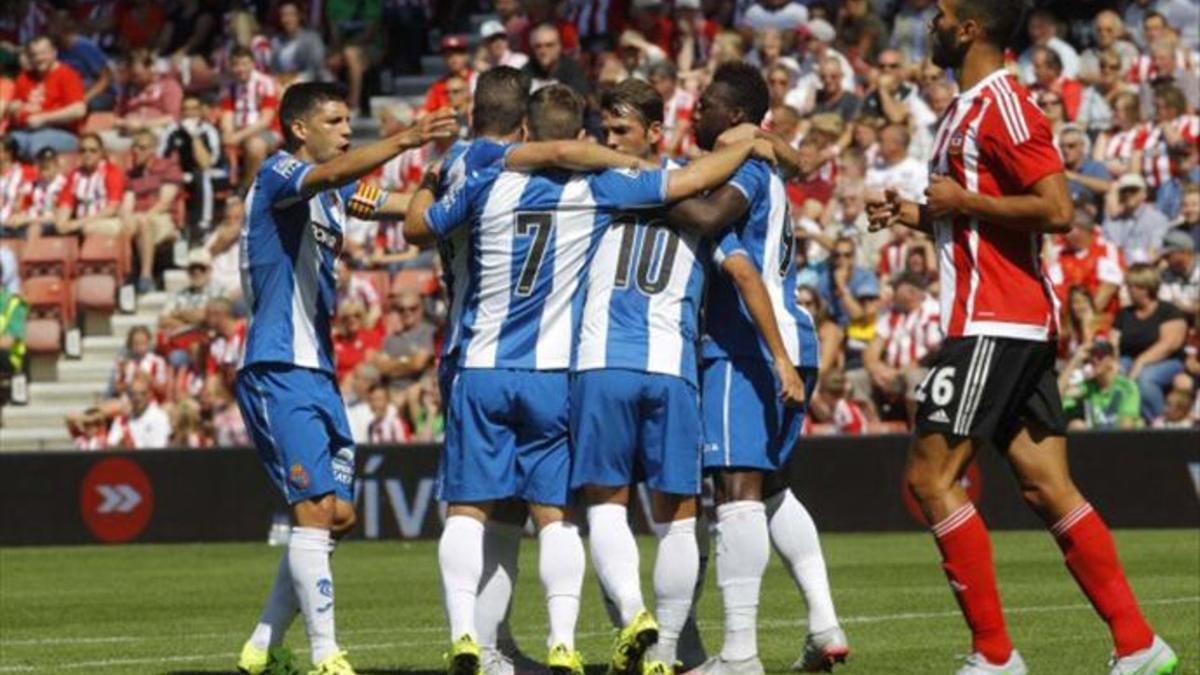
<point>506,436</point>
<point>746,426</point>
<point>297,419</point>
<point>622,419</point>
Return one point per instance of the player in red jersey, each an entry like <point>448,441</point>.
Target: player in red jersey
<point>997,186</point>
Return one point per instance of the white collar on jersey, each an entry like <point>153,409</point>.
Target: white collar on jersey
<point>971,93</point>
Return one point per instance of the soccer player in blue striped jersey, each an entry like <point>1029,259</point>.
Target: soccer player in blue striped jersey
<point>532,237</point>
<point>295,214</point>
<point>749,430</point>
<point>635,393</point>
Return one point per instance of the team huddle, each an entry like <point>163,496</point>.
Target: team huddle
<point>617,319</point>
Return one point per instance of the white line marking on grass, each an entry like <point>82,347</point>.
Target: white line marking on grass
<point>706,625</point>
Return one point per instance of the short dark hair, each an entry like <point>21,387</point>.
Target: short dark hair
<point>302,98</point>
<point>501,97</point>
<point>1172,96</point>
<point>750,93</point>
<point>636,95</point>
<point>46,153</point>
<point>664,68</point>
<point>555,113</point>
<point>240,51</point>
<point>999,20</point>
<point>1052,58</point>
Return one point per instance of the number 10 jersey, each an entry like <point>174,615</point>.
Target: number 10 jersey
<point>642,298</point>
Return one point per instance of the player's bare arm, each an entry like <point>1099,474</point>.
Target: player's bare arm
<point>748,280</point>
<point>416,230</point>
<point>571,155</point>
<point>707,216</point>
<point>356,163</point>
<point>1046,208</point>
<point>714,169</point>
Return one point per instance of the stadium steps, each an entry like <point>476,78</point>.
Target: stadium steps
<point>40,416</point>
<point>79,394</point>
<point>54,438</point>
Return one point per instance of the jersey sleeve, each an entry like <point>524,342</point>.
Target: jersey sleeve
<point>729,244</point>
<point>449,212</point>
<point>1016,142</point>
<point>623,188</point>
<point>749,179</point>
<point>281,179</point>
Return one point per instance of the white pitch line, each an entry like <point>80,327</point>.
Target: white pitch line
<point>707,625</point>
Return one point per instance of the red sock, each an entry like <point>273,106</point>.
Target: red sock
<point>1091,556</point>
<point>967,560</point>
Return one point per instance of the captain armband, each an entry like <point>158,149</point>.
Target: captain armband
<point>366,201</point>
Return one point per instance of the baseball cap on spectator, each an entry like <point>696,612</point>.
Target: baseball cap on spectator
<point>818,29</point>
<point>491,28</point>
<point>687,4</point>
<point>1131,181</point>
<point>1178,240</point>
<point>1085,213</point>
<point>1102,348</point>
<point>868,289</point>
<point>911,278</point>
<point>454,43</point>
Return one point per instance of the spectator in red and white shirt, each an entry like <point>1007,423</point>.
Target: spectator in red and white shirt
<point>89,429</point>
<point>37,214</point>
<point>354,340</point>
<point>146,425</point>
<point>1175,130</point>
<point>458,65</point>
<point>1089,260</point>
<point>249,112</point>
<point>1048,77</point>
<point>47,107</point>
<point>227,340</point>
<point>1117,147</point>
<point>91,199</point>
<point>905,334</point>
<point>677,111</point>
<point>386,425</point>
<point>138,358</point>
<point>1168,65</point>
<point>16,184</point>
<point>149,100</point>
<point>832,405</point>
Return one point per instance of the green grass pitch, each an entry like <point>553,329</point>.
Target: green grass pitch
<point>187,608</point>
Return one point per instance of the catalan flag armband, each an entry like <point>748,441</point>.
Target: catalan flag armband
<point>367,199</point>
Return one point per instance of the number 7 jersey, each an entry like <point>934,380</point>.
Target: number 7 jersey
<point>642,298</point>
<point>532,237</point>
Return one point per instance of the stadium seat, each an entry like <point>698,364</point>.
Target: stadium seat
<point>50,256</point>
<point>49,297</point>
<point>43,336</point>
<point>422,281</point>
<point>105,254</point>
<point>96,291</point>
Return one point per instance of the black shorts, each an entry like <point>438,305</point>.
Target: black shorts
<point>986,388</point>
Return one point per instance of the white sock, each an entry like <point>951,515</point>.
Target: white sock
<point>742,554</point>
<point>279,611</point>
<point>615,557</point>
<point>676,568</point>
<point>460,558</point>
<point>501,548</point>
<point>561,567</point>
<point>312,582</point>
<point>794,536</point>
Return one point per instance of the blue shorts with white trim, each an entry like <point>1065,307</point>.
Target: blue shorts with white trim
<point>298,422</point>
<point>746,426</point>
<point>506,436</point>
<point>622,419</point>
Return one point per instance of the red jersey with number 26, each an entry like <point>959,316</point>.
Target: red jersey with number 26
<point>994,140</point>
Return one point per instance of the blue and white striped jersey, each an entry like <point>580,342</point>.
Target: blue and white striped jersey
<point>764,233</point>
<point>288,249</point>
<point>463,159</point>
<point>531,238</point>
<point>642,300</point>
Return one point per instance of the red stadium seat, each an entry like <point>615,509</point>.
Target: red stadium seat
<point>49,297</point>
<point>43,336</point>
<point>104,254</point>
<point>96,291</point>
<point>422,281</point>
<point>50,256</point>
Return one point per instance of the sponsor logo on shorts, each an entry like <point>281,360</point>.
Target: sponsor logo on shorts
<point>711,447</point>
<point>939,416</point>
<point>343,466</point>
<point>298,477</point>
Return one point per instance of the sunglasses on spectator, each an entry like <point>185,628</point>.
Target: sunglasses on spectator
<point>1071,144</point>
<point>1110,66</point>
<point>142,146</point>
<point>843,254</point>
<point>89,149</point>
<point>408,308</point>
<point>888,66</point>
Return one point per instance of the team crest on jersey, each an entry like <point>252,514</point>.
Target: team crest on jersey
<point>956,142</point>
<point>298,477</point>
<point>326,237</point>
<point>286,166</point>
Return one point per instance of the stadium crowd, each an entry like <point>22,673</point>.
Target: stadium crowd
<point>145,122</point>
